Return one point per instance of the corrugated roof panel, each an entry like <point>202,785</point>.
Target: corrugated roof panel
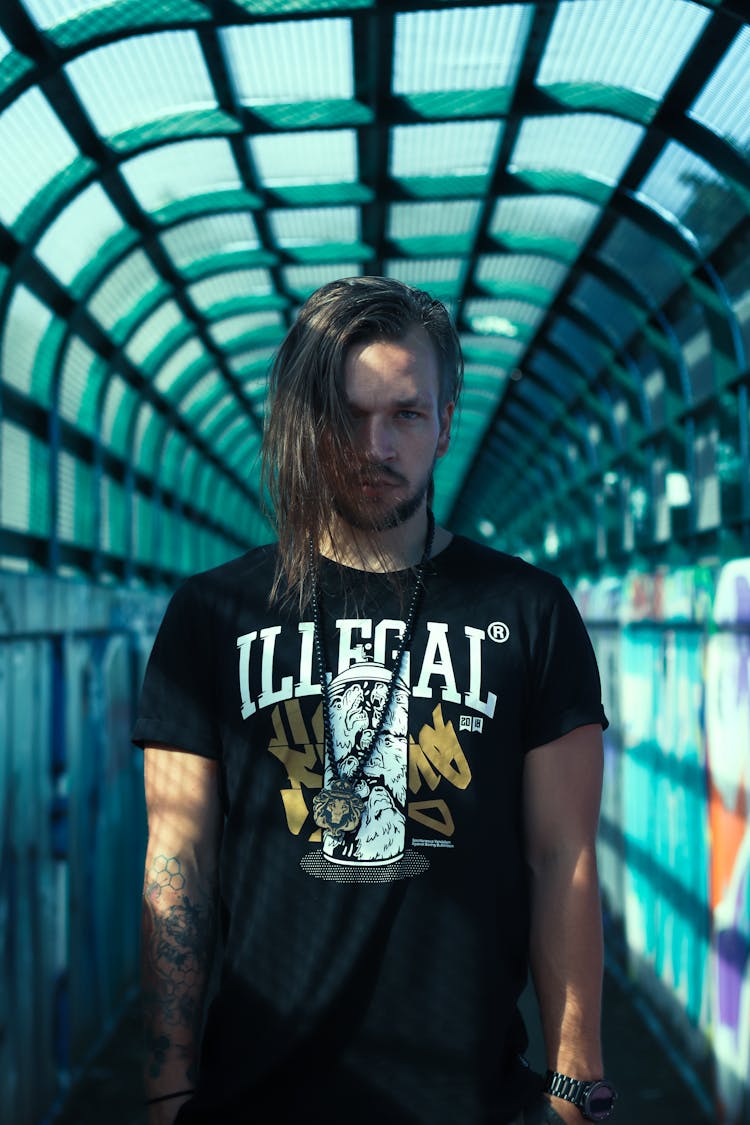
<point>539,397</point>
<point>521,275</point>
<point>73,239</point>
<point>142,78</point>
<point>200,238</point>
<point>688,190</point>
<point>582,349</point>
<point>81,380</point>
<point>724,103</point>
<point>636,46</point>
<point>439,276</point>
<point>35,148</point>
<point>304,280</point>
<point>24,480</point>
<point>122,289</point>
<point>453,148</point>
<point>252,360</point>
<point>267,321</point>
<point>610,312</point>
<point>26,323</point>
<point>224,286</point>
<point>290,61</point>
<point>314,226</point>
<point>166,318</point>
<point>459,49</point>
<point>323,157</point>
<point>557,375</point>
<point>591,144</point>
<point>430,220</point>
<point>181,170</point>
<point>192,351</point>
<point>203,393</point>
<point>562,221</point>
<point>628,247</point>
<point>514,320</point>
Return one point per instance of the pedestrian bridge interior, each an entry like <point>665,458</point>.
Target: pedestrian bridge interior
<point>572,178</point>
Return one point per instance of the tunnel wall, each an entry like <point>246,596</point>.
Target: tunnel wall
<point>72,827</point>
<point>674,650</point>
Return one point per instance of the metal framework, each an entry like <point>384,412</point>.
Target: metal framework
<point>572,178</point>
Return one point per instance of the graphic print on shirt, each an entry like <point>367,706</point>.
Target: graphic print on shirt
<point>358,697</point>
<point>408,780</point>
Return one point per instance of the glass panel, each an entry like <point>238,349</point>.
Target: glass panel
<point>119,402</point>
<point>459,49</point>
<point>291,62</point>
<point>26,323</point>
<point>192,351</point>
<point>690,191</point>
<point>180,171</point>
<point>439,276</point>
<point>539,398</point>
<point>639,46</point>
<point>212,234</point>
<point>225,286</point>
<point>455,148</point>
<point>593,144</point>
<point>554,373</point>
<point>75,501</point>
<point>114,517</point>
<point>75,236</point>
<point>511,319</point>
<point>35,149</point>
<point>724,104</point>
<point>313,226</point>
<point>328,157</point>
<point>202,392</point>
<point>142,78</point>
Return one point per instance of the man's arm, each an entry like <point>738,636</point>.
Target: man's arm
<point>178,918</point>
<point>562,792</point>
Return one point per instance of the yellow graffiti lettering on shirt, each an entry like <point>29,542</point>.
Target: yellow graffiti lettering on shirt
<point>437,753</point>
<point>301,754</point>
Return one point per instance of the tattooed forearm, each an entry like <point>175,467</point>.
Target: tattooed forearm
<point>178,928</point>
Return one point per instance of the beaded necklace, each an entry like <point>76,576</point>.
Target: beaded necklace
<point>338,807</point>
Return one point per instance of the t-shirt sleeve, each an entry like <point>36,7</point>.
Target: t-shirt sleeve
<point>176,704</point>
<point>565,690</point>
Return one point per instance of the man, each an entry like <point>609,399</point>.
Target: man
<point>373,756</point>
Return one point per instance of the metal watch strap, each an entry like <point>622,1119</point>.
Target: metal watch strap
<point>562,1086</point>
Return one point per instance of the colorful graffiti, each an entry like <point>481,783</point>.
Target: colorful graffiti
<point>674,652</point>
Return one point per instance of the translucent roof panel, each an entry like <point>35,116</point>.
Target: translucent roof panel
<point>209,235</point>
<point>521,275</point>
<point>291,62</point>
<point>465,148</point>
<point>627,248</point>
<point>226,286</point>
<point>247,324</point>
<point>557,223</point>
<point>167,318</point>
<point>593,144</point>
<point>433,220</point>
<point>314,226</point>
<point>515,320</point>
<point>181,170</point>
<point>459,49</point>
<point>689,191</point>
<point>141,79</point>
<point>579,345</point>
<point>304,280</point>
<point>74,238</point>
<point>724,103</point>
<point>638,46</point>
<point>35,147</point>
<point>555,374</point>
<point>328,157</point>
<point>122,289</point>
<point>603,307</point>
<point>443,277</point>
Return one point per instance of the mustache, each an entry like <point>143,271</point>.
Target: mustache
<point>374,473</point>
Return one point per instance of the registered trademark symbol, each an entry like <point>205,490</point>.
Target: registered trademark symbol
<point>498,632</point>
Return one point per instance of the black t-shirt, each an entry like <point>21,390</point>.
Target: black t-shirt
<point>372,977</point>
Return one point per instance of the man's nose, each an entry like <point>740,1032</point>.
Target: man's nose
<point>378,442</point>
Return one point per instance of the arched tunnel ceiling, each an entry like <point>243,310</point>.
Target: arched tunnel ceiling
<point>572,178</point>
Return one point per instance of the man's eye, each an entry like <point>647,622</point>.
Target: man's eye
<point>408,414</point>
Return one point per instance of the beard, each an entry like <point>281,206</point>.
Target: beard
<point>364,516</point>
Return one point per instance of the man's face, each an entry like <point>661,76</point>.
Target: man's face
<point>398,429</point>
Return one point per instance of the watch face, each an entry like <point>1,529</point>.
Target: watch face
<point>599,1101</point>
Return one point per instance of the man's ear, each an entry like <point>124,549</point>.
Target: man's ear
<point>444,437</point>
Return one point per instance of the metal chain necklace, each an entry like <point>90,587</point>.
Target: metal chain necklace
<point>338,807</point>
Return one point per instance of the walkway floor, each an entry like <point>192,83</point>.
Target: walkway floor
<point>652,1090</point>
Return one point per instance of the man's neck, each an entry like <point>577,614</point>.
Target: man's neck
<point>395,548</point>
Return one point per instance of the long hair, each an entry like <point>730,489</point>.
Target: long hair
<point>308,455</point>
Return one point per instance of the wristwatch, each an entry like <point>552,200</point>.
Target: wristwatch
<point>596,1100</point>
